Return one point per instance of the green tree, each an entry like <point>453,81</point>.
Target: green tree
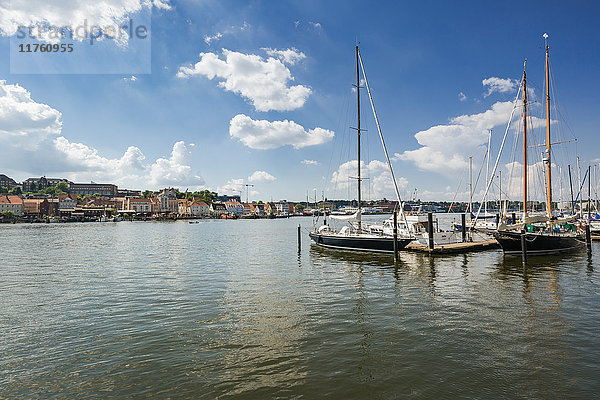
<point>62,187</point>
<point>299,207</point>
<point>50,190</point>
<point>8,215</point>
<point>3,189</point>
<point>16,190</point>
<point>147,194</point>
<point>33,187</point>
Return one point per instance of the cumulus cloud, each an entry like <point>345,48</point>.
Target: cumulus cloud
<point>30,138</point>
<point>265,135</point>
<point>445,148</point>
<point>287,56</point>
<point>309,162</point>
<point>499,85</point>
<point>23,121</point>
<point>208,39</point>
<point>261,176</point>
<point>175,169</point>
<point>41,14</point>
<point>462,96</point>
<point>380,182</point>
<point>265,83</point>
<point>232,187</point>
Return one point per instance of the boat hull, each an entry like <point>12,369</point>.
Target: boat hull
<point>367,243</point>
<point>537,243</point>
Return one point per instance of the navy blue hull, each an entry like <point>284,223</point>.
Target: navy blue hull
<point>538,243</point>
<point>383,244</point>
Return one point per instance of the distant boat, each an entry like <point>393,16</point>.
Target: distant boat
<point>541,234</point>
<point>355,237</point>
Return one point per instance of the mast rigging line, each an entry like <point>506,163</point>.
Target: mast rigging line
<point>387,157</point>
<point>489,184</point>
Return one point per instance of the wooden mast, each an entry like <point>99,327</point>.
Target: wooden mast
<point>358,131</point>
<point>524,143</point>
<point>548,144</point>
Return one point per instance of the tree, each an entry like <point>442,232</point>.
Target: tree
<point>50,190</point>
<point>62,187</point>
<point>147,194</point>
<point>16,190</point>
<point>33,187</point>
<point>8,215</point>
<point>3,189</point>
<point>299,207</point>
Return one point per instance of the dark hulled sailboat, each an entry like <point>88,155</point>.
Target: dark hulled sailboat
<point>355,237</point>
<point>551,237</point>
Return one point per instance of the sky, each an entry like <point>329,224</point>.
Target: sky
<point>222,94</point>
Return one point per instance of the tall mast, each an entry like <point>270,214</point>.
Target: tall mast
<point>547,159</point>
<point>470,185</point>
<point>524,143</point>
<point>358,135</point>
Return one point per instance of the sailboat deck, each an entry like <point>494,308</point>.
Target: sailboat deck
<point>464,247</point>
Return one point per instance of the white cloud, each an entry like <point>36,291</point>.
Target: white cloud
<point>315,25</point>
<point>23,121</point>
<point>263,82</point>
<point>175,169</point>
<point>264,135</point>
<point>500,85</point>
<point>41,14</point>
<point>309,162</point>
<point>445,148</point>
<point>233,186</point>
<point>288,56</point>
<point>296,23</point>
<point>261,176</point>
<point>132,78</point>
<point>462,96</point>
<point>209,39</point>
<point>379,184</point>
<point>30,140</point>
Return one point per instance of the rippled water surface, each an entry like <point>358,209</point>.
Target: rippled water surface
<point>230,309</point>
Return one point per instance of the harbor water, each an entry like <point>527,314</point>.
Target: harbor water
<point>232,309</point>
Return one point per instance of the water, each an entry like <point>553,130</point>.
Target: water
<point>229,309</point>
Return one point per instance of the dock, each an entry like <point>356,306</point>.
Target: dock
<point>463,247</point>
<point>595,238</point>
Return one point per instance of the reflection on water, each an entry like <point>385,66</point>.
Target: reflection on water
<point>232,309</point>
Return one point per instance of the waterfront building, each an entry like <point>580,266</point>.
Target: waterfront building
<point>108,190</point>
<point>199,208</point>
<point>258,209</point>
<point>66,201</point>
<point>11,203</point>
<point>234,207</point>
<point>35,207</point>
<point>141,206</point>
<point>167,200</point>
<point>7,182</point>
<point>247,208</point>
<point>217,209</point>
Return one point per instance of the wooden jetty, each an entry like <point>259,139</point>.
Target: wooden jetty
<point>463,247</point>
<point>595,238</point>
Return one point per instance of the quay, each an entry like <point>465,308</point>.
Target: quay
<point>463,247</point>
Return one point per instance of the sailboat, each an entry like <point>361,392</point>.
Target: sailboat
<point>551,237</point>
<point>356,236</point>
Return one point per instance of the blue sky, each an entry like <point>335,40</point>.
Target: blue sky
<point>281,123</point>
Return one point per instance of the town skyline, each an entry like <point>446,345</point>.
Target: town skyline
<point>263,95</point>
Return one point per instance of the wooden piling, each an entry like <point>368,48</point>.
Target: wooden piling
<point>299,238</point>
<point>395,236</point>
<point>430,229</point>
<point>523,248</point>
<point>588,238</point>
<point>463,227</point>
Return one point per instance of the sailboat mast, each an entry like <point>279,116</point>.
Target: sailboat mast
<point>548,162</point>
<point>524,143</point>
<point>358,135</point>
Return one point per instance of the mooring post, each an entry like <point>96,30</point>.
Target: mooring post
<point>514,218</point>
<point>497,220</point>
<point>463,228</point>
<point>430,229</point>
<point>588,237</point>
<point>523,247</point>
<point>395,236</point>
<point>299,236</point>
